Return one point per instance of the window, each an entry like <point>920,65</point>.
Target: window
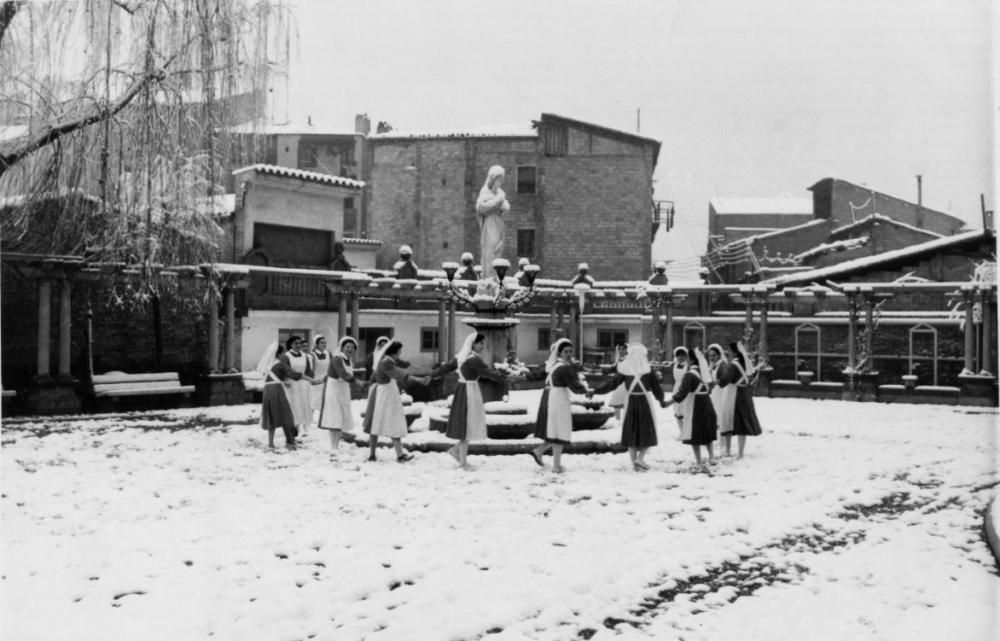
<point>307,157</point>
<point>556,140</point>
<point>526,243</point>
<point>923,352</point>
<point>350,218</point>
<point>544,339</point>
<point>429,339</point>
<point>607,339</point>
<point>526,180</point>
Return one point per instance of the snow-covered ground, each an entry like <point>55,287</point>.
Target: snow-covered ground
<point>844,521</point>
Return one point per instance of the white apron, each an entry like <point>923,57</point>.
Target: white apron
<point>724,402</point>
<point>475,414</point>
<point>678,377</point>
<point>559,419</point>
<point>387,417</point>
<point>321,366</point>
<point>298,391</point>
<point>335,411</point>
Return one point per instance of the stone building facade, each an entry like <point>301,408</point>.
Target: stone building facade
<point>572,186</point>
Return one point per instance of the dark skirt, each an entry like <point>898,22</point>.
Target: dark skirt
<point>704,424</point>
<point>366,422</point>
<point>275,412</point>
<point>745,422</point>
<point>638,426</point>
<point>542,422</point>
<point>458,414</point>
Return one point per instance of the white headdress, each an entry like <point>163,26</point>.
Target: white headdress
<point>340,347</point>
<point>554,353</point>
<point>266,361</point>
<point>405,249</point>
<point>467,256</point>
<point>466,350</point>
<point>316,339</point>
<point>636,361</point>
<point>702,365</point>
<point>717,348</point>
<point>380,351</point>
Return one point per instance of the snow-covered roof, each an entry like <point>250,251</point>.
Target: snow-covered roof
<point>837,245</point>
<point>880,193</point>
<point>361,241</point>
<point>300,174</point>
<point>289,128</point>
<point>869,262</point>
<point>777,232</point>
<point>510,130</point>
<point>870,218</point>
<point>217,205</point>
<point>779,205</point>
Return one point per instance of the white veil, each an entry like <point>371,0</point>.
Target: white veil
<point>550,363</point>
<point>266,361</point>
<point>636,361</point>
<point>466,350</point>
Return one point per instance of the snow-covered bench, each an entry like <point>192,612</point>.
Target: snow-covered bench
<point>114,386</point>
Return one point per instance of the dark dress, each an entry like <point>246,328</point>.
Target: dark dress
<point>745,421</point>
<point>564,376</point>
<point>472,370</point>
<point>638,424</point>
<point>275,411</point>
<point>703,420</point>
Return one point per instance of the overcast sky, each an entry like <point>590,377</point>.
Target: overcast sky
<point>748,97</point>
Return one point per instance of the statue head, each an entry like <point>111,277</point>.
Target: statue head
<point>467,258</point>
<point>495,176</point>
<point>405,252</point>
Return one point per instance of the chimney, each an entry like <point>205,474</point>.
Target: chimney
<point>362,124</point>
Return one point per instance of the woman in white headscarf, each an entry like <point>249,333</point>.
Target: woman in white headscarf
<point>275,412</point>
<point>335,411</point>
<point>745,421</point>
<point>723,393</point>
<point>700,423</point>
<point>467,417</point>
<point>370,365</point>
<point>388,417</point>
<point>298,389</point>
<point>680,367</point>
<point>555,416</point>
<point>319,361</point>
<point>491,206</point>
<point>643,394</point>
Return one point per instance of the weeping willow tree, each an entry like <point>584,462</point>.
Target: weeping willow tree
<point>115,132</point>
<point>115,121</point>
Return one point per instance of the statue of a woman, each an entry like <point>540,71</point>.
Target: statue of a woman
<point>490,207</point>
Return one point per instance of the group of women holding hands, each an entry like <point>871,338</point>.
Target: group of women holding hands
<point>712,397</point>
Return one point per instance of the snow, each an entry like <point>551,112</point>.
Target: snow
<point>778,205</point>
<point>844,520</point>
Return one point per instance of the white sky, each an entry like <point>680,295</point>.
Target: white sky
<point>748,97</point>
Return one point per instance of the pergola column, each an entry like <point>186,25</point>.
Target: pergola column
<point>65,325</point>
<point>552,323</point>
<point>969,299</point>
<point>762,342</point>
<point>44,326</point>
<point>442,331</point>
<point>988,336</point>
<point>668,332</point>
<point>869,330</point>
<point>230,300</point>
<point>355,317</point>
<point>342,314</point>
<point>213,331</point>
<point>852,330</point>
<point>451,330</point>
<point>748,314</point>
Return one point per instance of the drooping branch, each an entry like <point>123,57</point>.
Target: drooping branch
<point>7,11</point>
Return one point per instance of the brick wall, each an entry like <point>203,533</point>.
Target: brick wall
<point>838,197</point>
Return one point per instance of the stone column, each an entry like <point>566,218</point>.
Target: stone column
<point>748,315</point>
<point>230,300</point>
<point>869,330</point>
<point>213,331</point>
<point>852,330</point>
<point>451,330</point>
<point>552,323</point>
<point>988,333</point>
<point>355,317</point>
<point>442,331</point>
<point>44,326</point>
<point>65,326</point>
<point>342,315</point>
<point>969,298</point>
<point>762,342</point>
<point>668,333</point>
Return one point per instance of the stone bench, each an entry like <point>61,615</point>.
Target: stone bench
<point>115,387</point>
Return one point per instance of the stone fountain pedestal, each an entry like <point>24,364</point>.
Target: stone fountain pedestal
<point>496,328</point>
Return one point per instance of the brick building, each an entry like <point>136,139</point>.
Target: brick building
<point>755,239</point>
<point>572,186</point>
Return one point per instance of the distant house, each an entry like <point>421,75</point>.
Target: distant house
<point>758,239</point>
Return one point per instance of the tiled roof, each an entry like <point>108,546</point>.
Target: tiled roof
<point>361,241</point>
<point>300,174</point>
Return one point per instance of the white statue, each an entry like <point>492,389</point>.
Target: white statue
<point>490,207</point>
